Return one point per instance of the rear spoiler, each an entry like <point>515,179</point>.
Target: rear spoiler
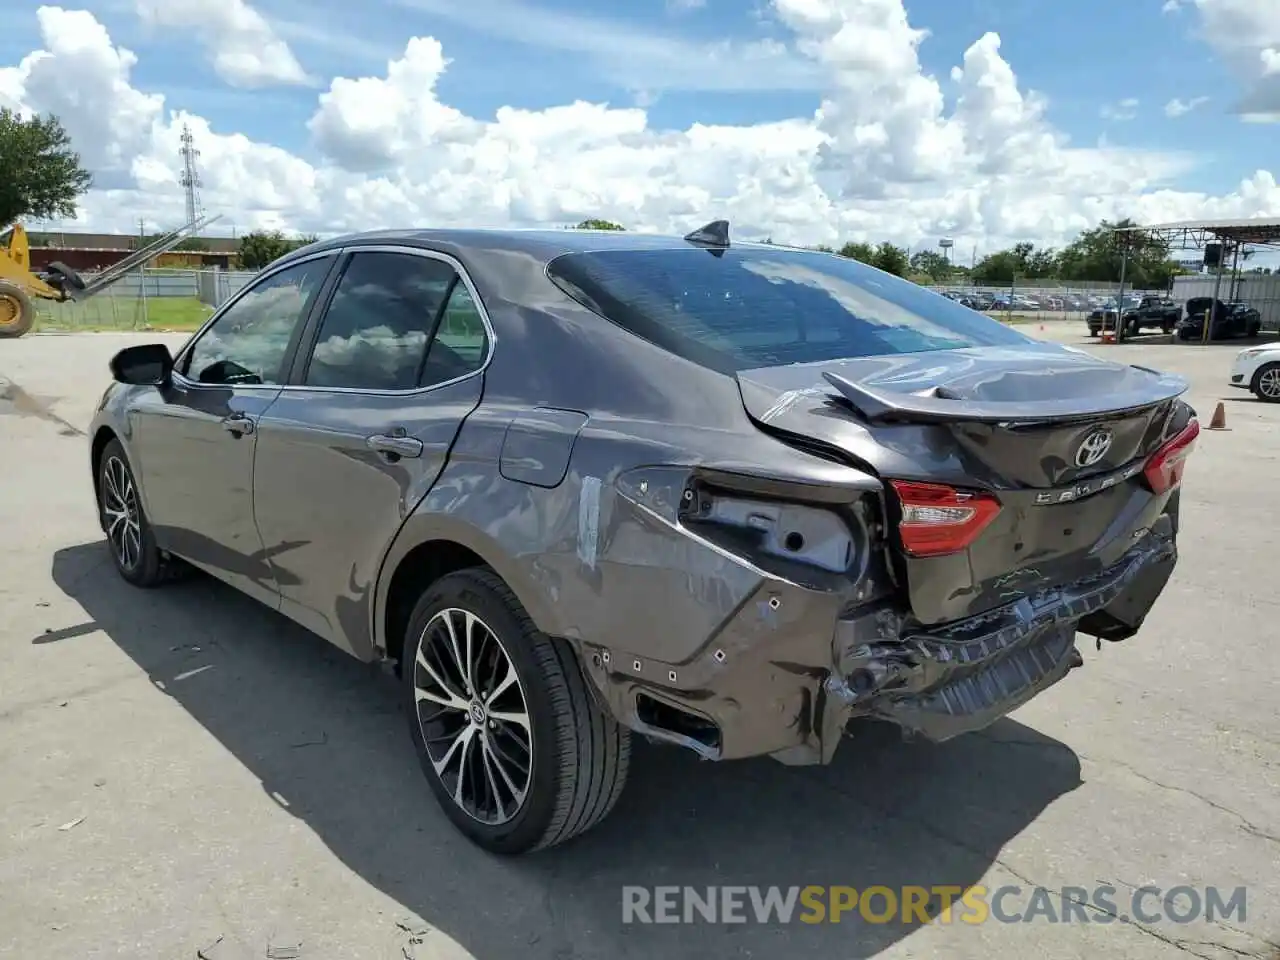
<point>940,405</point>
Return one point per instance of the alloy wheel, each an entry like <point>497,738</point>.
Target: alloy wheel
<point>1269,383</point>
<point>473,716</point>
<point>121,514</point>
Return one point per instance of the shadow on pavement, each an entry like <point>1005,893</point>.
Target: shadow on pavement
<point>325,735</point>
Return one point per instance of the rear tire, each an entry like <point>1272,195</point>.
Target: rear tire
<point>17,313</point>
<point>1266,383</point>
<point>518,753</point>
<point>129,538</point>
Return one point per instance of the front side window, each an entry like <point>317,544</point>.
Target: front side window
<point>374,334</point>
<point>751,307</point>
<point>248,344</point>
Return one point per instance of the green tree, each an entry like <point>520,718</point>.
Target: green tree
<point>1022,261</point>
<point>932,264</point>
<point>998,268</point>
<point>40,175</point>
<point>1097,254</point>
<point>594,224</point>
<point>857,250</point>
<point>891,259</point>
<point>261,247</point>
<point>1042,264</point>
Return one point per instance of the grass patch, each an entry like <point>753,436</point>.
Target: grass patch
<point>108,313</point>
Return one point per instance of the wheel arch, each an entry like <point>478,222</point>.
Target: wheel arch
<point>429,548</point>
<point>101,437</point>
<point>1256,379</point>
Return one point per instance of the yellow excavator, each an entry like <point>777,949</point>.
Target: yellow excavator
<point>20,286</point>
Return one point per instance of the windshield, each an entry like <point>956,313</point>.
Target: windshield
<point>751,307</point>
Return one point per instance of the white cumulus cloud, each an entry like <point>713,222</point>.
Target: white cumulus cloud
<point>1177,108</point>
<point>243,46</point>
<point>1246,35</point>
<point>892,152</point>
<point>1126,109</point>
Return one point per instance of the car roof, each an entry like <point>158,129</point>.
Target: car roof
<point>541,243</point>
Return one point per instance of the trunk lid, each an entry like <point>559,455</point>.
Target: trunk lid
<point>1058,435</point>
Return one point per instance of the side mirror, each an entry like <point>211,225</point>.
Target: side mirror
<point>147,364</point>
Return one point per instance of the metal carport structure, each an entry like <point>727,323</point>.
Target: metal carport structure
<point>1194,235</point>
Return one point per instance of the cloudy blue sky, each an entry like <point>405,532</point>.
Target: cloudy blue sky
<point>1149,107</point>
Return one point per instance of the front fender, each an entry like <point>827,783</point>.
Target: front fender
<point>113,416</point>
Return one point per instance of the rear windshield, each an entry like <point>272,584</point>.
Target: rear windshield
<point>749,307</point>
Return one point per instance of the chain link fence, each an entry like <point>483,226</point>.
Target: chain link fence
<point>147,299</point>
<point>1041,300</point>
<point>172,299</point>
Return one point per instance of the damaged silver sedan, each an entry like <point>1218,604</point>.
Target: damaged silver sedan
<point>579,485</point>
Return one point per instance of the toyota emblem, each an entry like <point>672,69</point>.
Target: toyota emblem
<point>1093,448</point>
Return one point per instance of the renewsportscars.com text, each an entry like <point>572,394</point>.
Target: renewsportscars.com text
<point>935,904</point>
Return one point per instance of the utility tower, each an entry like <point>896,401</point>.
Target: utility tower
<point>190,178</point>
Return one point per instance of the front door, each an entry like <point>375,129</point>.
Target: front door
<point>363,430</point>
<point>195,440</point>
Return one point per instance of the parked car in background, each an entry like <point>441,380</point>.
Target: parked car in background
<point>1230,319</point>
<point>962,298</point>
<point>1147,312</point>
<point>1257,369</point>
<point>1103,316</point>
<point>461,452</point>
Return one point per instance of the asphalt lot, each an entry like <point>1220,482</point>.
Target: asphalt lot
<point>182,765</point>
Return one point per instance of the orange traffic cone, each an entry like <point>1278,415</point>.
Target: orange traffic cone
<point>1219,419</point>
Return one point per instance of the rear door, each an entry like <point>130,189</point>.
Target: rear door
<point>388,372</point>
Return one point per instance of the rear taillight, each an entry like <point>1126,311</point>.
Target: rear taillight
<point>1164,470</point>
<point>938,519</point>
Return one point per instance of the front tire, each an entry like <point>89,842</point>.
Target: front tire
<point>518,753</point>
<point>129,537</point>
<point>1266,383</point>
<point>17,313</point>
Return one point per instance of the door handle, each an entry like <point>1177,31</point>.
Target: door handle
<point>394,447</point>
<point>237,424</point>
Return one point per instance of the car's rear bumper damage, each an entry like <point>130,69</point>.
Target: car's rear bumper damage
<point>791,692</point>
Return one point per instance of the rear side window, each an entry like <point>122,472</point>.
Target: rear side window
<point>461,343</point>
<point>754,307</point>
<point>374,334</point>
